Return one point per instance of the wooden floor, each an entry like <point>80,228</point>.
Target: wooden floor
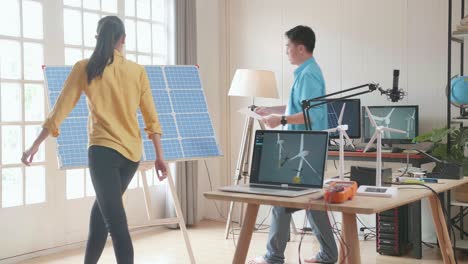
<point>162,245</point>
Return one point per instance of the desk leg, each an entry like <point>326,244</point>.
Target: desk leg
<point>441,230</point>
<point>351,253</point>
<point>246,234</point>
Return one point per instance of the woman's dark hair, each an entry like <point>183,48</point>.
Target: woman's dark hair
<point>109,31</point>
<point>302,35</point>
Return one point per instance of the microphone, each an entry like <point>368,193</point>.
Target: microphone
<point>394,94</point>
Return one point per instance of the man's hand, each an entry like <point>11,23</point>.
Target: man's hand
<point>160,165</point>
<point>272,121</point>
<point>263,110</point>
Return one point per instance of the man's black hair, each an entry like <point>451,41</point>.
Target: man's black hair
<point>302,35</point>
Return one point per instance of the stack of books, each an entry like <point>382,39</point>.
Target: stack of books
<point>462,29</point>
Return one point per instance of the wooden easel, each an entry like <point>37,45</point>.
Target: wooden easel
<point>165,221</point>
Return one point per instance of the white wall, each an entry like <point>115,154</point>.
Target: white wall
<point>358,41</point>
<point>211,41</point>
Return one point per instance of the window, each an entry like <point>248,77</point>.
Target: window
<point>21,83</point>
<point>146,26</point>
<point>80,18</point>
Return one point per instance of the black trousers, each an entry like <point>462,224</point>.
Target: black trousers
<point>111,174</point>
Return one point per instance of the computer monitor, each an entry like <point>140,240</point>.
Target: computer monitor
<point>295,158</point>
<point>351,117</point>
<point>402,117</point>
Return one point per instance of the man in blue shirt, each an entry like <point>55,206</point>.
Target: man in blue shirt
<point>308,83</point>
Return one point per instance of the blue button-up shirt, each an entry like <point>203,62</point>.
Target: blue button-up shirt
<point>308,84</point>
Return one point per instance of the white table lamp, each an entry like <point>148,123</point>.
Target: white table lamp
<point>249,83</point>
<point>254,83</point>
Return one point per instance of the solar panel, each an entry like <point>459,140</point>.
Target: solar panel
<point>178,95</point>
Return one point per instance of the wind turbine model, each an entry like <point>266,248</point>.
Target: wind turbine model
<point>378,190</point>
<point>302,154</point>
<point>342,130</point>
<point>384,120</point>
<point>280,142</point>
<point>410,123</point>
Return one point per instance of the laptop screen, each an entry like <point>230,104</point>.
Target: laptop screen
<point>296,158</point>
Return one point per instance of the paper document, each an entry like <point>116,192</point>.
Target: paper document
<point>248,112</point>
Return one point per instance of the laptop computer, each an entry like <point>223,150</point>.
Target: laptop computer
<point>286,163</point>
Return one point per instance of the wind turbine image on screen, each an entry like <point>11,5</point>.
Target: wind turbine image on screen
<point>181,105</point>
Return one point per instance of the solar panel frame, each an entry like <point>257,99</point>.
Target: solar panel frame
<point>188,132</point>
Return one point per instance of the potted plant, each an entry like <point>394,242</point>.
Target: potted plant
<point>458,145</point>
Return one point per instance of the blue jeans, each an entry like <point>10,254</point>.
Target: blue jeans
<point>279,235</point>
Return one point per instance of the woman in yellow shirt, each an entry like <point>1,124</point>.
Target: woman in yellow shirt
<point>115,88</point>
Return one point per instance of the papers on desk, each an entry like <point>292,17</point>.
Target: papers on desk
<point>250,113</point>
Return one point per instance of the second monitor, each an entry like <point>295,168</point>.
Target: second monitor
<point>402,117</point>
<point>351,117</point>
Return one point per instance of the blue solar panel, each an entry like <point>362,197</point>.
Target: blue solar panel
<point>177,91</point>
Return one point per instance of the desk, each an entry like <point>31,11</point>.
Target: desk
<point>415,159</point>
<point>359,205</point>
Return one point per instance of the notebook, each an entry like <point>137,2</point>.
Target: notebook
<point>286,163</point>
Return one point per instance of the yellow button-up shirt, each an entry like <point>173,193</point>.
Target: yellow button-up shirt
<point>113,101</point>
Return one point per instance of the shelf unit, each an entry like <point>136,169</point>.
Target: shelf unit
<point>458,37</point>
<point>454,37</point>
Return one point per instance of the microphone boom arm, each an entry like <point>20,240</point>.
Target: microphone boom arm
<point>321,100</point>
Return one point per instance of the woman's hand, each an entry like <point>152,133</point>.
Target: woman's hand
<point>28,155</point>
<point>160,165</point>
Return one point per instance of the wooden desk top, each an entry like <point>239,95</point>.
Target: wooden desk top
<point>359,205</point>
<point>373,155</point>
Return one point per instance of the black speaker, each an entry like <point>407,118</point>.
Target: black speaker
<point>366,176</point>
<point>447,170</point>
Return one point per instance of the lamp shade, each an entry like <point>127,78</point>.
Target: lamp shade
<point>459,93</point>
<point>254,83</point>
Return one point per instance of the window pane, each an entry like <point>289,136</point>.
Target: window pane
<point>144,36</point>
<point>10,18</point>
<point>143,9</point>
<point>32,20</point>
<point>33,102</point>
<point>130,7</point>
<point>10,59</point>
<point>12,187</point>
<point>144,60</point>
<point>90,21</point>
<point>88,53</point>
<point>35,185</point>
<point>76,3</point>
<point>12,146</point>
<point>159,60</point>
<point>33,61</point>
<point>159,40</point>
<point>75,184</point>
<point>109,6</point>
<point>11,102</point>
<point>158,8</point>
<point>131,57</point>
<point>130,40</point>
<point>72,26</point>
<point>89,185</point>
<point>91,4</point>
<point>72,56</point>
<point>31,133</point>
